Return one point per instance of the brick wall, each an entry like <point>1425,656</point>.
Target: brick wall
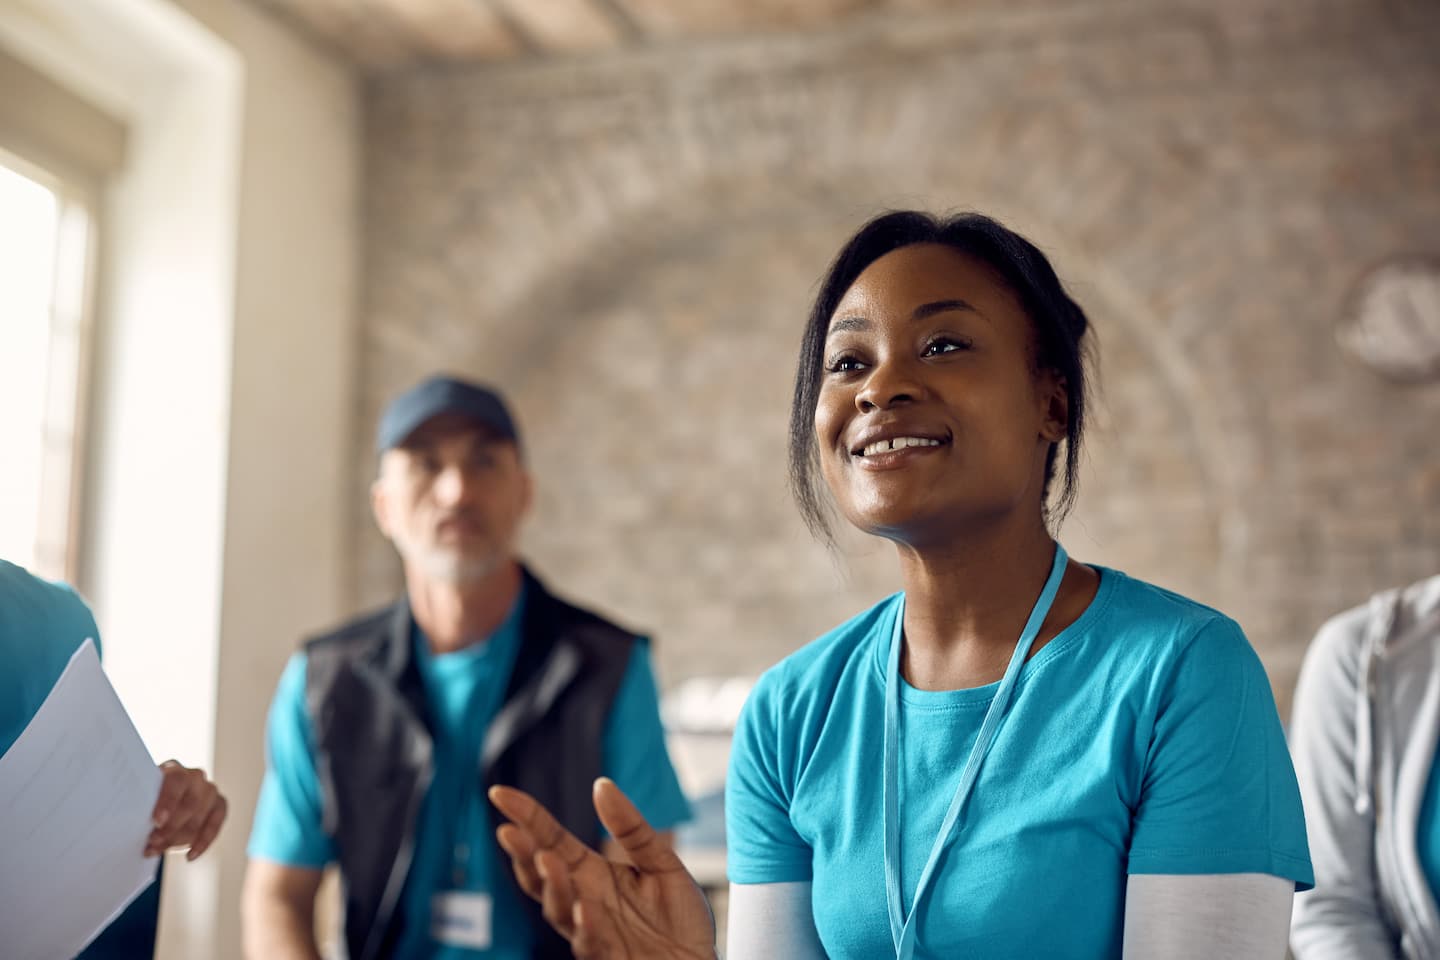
<point>627,245</point>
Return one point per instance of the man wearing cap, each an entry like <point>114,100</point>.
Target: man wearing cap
<point>385,734</point>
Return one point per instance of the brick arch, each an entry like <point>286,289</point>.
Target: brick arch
<point>654,374</point>
<point>1206,180</point>
<point>526,199</point>
<point>569,278</point>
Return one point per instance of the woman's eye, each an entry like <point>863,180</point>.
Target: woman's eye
<point>844,363</point>
<point>945,345</point>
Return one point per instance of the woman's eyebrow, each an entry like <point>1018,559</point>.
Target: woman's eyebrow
<point>941,306</point>
<point>848,323</point>
<point>921,312</point>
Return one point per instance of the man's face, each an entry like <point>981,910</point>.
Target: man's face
<point>451,498</point>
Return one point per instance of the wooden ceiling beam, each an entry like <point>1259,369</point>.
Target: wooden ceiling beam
<point>451,29</point>
<point>565,26</point>
<point>383,34</point>
<point>627,26</point>
<point>698,18</point>
<point>345,27</point>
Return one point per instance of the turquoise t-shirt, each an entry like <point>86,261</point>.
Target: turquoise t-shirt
<point>42,624</point>
<point>1142,739</point>
<point>1427,832</point>
<point>453,841</point>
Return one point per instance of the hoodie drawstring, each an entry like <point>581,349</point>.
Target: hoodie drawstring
<point>1384,607</point>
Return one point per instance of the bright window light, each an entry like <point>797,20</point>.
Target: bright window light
<point>43,244</point>
<point>29,228</point>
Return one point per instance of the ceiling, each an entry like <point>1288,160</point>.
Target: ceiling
<point>381,34</point>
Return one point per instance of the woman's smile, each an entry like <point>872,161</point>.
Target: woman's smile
<point>928,344</point>
<point>896,446</point>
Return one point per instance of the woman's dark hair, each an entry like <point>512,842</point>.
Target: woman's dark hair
<point>1059,323</point>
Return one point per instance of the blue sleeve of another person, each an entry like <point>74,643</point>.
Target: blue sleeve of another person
<point>42,624</point>
<point>288,826</point>
<point>1219,793</point>
<point>634,746</point>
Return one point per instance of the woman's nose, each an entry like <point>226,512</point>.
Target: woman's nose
<point>889,383</point>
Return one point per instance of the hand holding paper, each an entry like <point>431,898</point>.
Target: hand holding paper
<point>78,795</point>
<point>188,812</point>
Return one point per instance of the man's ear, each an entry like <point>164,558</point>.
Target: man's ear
<point>527,491</point>
<point>380,506</point>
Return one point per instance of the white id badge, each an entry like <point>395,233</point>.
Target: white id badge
<point>461,919</point>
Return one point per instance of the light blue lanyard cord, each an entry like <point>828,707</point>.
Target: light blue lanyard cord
<point>902,927</point>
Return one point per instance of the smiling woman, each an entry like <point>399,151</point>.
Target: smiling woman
<point>918,782</point>
<point>1020,282</point>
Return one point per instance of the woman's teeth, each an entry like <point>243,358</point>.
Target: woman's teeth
<point>898,443</point>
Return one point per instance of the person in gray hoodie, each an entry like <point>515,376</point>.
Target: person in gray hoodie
<point>1363,735</point>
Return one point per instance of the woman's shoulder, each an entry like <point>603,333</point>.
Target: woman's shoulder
<point>1154,619</point>
<point>1142,601</point>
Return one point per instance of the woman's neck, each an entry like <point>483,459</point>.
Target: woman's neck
<point>967,602</point>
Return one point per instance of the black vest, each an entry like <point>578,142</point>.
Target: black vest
<point>373,747</point>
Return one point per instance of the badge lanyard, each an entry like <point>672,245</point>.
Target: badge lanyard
<point>902,927</point>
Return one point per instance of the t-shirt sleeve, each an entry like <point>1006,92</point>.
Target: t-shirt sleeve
<point>635,756</point>
<point>42,624</point>
<point>84,616</point>
<point>762,843</point>
<point>288,825</point>
<point>1218,792</point>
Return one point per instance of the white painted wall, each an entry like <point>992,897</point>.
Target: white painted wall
<point>215,533</point>
<point>292,384</point>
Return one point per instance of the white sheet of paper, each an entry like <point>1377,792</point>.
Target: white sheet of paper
<point>76,792</point>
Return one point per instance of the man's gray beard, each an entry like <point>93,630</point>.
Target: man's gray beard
<point>445,566</point>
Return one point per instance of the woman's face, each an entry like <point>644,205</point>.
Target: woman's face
<point>931,417</point>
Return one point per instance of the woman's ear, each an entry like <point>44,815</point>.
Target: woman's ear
<point>1055,394</point>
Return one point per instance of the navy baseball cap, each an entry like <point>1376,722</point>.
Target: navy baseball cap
<point>438,395</point>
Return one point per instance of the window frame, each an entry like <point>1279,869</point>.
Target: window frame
<point>72,147</point>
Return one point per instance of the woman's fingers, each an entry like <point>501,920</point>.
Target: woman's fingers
<point>595,937</point>
<point>641,843</point>
<point>544,830</point>
<point>555,868</point>
<point>521,849</point>
<point>557,898</point>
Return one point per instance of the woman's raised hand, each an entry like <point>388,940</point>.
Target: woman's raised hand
<point>647,909</point>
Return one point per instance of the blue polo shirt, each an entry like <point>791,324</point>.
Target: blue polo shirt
<point>1142,739</point>
<point>453,841</point>
<point>42,624</point>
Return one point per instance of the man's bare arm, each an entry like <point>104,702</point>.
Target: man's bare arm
<point>278,912</point>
